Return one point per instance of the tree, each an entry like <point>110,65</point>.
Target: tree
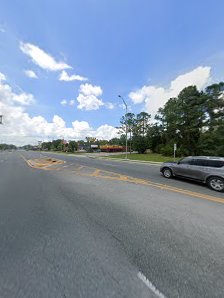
<point>137,127</point>
<point>7,147</point>
<point>46,146</point>
<point>90,140</point>
<point>131,124</point>
<point>214,105</point>
<point>56,145</point>
<point>190,121</point>
<point>182,121</point>
<point>140,143</point>
<point>72,146</point>
<point>167,118</point>
<point>155,137</point>
<point>115,141</point>
<point>101,142</point>
<point>142,123</point>
<point>211,141</point>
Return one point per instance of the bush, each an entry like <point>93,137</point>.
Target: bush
<point>140,144</point>
<point>167,150</point>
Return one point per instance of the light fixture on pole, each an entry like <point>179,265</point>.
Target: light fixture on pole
<point>126,125</point>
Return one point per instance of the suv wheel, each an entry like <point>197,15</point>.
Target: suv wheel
<point>216,183</point>
<point>167,173</point>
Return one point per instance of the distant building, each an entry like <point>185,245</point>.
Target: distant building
<point>112,148</point>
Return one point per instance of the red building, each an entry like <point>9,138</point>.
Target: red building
<point>112,148</point>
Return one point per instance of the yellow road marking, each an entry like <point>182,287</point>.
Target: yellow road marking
<point>45,164</point>
<point>98,173</point>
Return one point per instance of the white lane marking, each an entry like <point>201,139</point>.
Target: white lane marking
<point>66,166</point>
<point>157,164</point>
<point>150,285</point>
<point>109,164</point>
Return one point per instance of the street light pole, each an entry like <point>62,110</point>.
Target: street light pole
<point>126,125</point>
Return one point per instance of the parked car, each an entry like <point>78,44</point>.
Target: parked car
<point>206,169</point>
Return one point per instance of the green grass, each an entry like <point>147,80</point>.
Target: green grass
<point>61,152</point>
<point>145,157</point>
<point>134,156</point>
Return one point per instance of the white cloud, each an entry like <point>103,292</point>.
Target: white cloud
<point>122,106</point>
<point>81,126</point>
<point>31,74</point>
<point>20,128</point>
<point>155,97</point>
<point>41,58</point>
<point>65,77</point>
<point>198,77</point>
<point>88,97</point>
<point>2,77</point>
<point>109,105</point>
<point>89,102</point>
<point>88,89</point>
<point>63,102</point>
<point>106,132</point>
<point>24,99</point>
<point>72,102</point>
<point>7,96</point>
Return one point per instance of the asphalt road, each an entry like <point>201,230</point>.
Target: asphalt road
<point>76,232</point>
<point>138,170</point>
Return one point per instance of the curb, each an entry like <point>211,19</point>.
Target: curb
<point>128,160</point>
<point>111,159</point>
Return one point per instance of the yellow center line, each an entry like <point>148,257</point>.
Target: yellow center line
<point>98,173</point>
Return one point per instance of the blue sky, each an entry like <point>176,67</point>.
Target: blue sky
<point>128,47</point>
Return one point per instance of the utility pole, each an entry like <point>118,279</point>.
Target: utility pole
<point>126,125</point>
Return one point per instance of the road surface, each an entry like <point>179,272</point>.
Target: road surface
<point>100,228</point>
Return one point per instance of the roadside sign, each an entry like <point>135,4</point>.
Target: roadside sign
<point>174,151</point>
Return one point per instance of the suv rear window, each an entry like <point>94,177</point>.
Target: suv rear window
<point>215,163</point>
<point>207,163</point>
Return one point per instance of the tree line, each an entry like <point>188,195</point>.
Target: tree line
<point>194,120</point>
<point>72,145</point>
<point>7,147</point>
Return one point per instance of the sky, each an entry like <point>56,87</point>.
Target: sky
<point>64,63</point>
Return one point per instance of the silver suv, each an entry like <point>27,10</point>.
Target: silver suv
<point>206,169</point>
